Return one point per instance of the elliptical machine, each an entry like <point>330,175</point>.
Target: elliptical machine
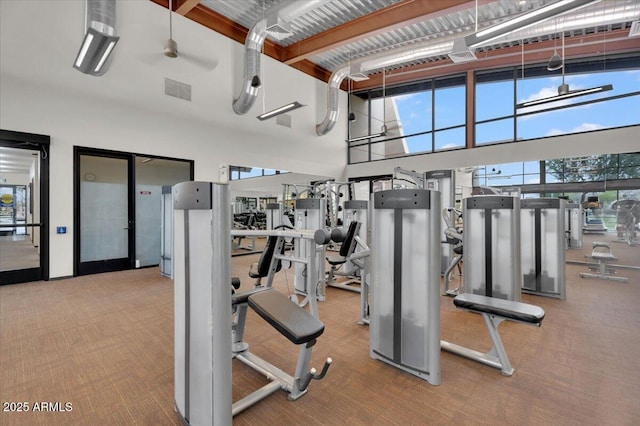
<point>453,236</point>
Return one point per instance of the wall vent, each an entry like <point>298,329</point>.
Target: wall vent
<point>284,120</point>
<point>177,89</point>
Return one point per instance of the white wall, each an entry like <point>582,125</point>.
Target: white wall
<point>596,142</point>
<point>126,109</point>
<point>14,179</point>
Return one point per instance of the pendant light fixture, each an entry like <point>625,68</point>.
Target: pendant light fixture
<point>352,116</point>
<point>383,129</point>
<point>555,63</point>
<point>563,90</point>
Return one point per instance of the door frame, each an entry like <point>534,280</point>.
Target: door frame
<point>127,263</point>
<point>98,266</point>
<point>41,143</point>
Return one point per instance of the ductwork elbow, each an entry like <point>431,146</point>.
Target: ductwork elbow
<point>333,100</point>
<point>251,75</point>
<point>286,11</point>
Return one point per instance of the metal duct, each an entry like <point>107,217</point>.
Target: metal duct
<point>101,16</point>
<point>372,63</point>
<point>600,14</point>
<point>99,40</point>
<point>282,13</point>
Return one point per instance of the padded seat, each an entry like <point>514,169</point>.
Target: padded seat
<point>289,319</point>
<point>348,245</point>
<point>516,311</point>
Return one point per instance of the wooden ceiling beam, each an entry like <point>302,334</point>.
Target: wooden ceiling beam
<point>399,15</point>
<point>225,26</point>
<point>237,32</point>
<point>615,42</point>
<point>182,7</point>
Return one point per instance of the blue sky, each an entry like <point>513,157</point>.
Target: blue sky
<point>496,100</point>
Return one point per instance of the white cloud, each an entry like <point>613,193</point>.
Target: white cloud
<point>533,180</point>
<point>587,127</point>
<point>407,97</point>
<point>449,145</point>
<point>584,127</point>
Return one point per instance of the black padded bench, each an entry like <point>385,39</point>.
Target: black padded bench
<point>515,311</point>
<point>289,319</point>
<point>494,311</point>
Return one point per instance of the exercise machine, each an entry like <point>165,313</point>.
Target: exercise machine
<point>405,281</point>
<point>166,229</point>
<point>542,237</point>
<point>444,181</point>
<point>453,237</point>
<point>627,216</point>
<point>491,239</point>
<point>573,225</point>
<point>274,215</point>
<point>203,307</point>
<point>309,215</point>
<point>494,311</point>
<point>603,270</point>
<point>348,263</point>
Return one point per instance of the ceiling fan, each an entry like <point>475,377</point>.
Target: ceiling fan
<point>170,50</point>
<point>170,46</point>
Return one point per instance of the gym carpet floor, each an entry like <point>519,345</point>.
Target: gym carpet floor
<point>104,344</point>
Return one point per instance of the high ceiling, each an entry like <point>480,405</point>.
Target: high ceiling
<point>336,32</point>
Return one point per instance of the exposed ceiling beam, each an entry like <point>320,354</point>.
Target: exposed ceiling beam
<point>225,26</point>
<point>184,6</point>
<point>390,18</point>
<point>237,32</point>
<point>615,42</point>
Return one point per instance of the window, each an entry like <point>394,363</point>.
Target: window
<point>421,117</point>
<point>242,172</point>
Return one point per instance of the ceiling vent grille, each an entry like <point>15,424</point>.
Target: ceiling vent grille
<point>460,52</point>
<point>177,89</point>
<point>634,31</point>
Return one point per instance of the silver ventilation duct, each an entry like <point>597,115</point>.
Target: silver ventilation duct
<point>99,39</point>
<point>274,22</point>
<point>369,64</point>
<point>599,14</point>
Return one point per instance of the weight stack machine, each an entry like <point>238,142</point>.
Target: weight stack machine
<point>542,234</point>
<point>491,239</point>
<point>405,279</point>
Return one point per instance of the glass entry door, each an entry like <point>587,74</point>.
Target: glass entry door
<point>24,207</point>
<point>105,216</point>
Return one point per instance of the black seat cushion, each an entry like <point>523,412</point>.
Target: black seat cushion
<point>264,263</point>
<point>505,308</point>
<point>289,319</point>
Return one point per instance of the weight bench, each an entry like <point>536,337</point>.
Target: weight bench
<point>347,249</point>
<point>293,322</point>
<point>494,311</point>
<point>602,254</point>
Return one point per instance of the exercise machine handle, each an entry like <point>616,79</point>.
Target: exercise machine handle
<point>304,383</point>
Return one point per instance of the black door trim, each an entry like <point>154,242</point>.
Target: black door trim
<point>42,143</point>
<point>118,264</point>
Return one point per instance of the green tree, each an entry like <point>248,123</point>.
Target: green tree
<point>595,168</point>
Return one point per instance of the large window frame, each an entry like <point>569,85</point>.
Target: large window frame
<point>512,75</point>
<point>432,86</point>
